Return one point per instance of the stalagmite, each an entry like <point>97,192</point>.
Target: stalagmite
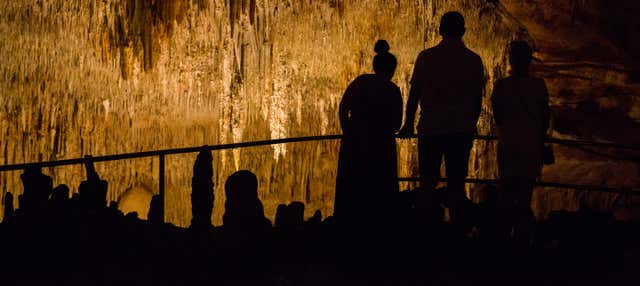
<point>102,77</point>
<point>107,77</point>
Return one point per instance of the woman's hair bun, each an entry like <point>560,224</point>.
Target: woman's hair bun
<point>381,47</point>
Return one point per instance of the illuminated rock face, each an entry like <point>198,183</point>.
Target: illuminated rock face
<point>113,76</point>
<point>135,200</point>
<point>590,54</point>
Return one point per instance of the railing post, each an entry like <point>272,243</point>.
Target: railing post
<point>161,186</point>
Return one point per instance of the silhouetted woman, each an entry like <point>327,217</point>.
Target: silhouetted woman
<point>521,111</point>
<point>370,115</point>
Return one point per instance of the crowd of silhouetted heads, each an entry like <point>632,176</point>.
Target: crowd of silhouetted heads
<point>56,236</point>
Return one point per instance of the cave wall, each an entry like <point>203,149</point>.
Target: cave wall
<point>588,51</point>
<point>112,76</point>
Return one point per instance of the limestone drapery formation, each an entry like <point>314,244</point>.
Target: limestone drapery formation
<point>589,52</point>
<point>112,76</point>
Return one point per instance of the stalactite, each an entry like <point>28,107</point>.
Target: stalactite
<point>115,76</point>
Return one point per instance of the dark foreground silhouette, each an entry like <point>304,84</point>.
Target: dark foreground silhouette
<point>448,84</point>
<point>379,236</point>
<point>521,112</point>
<point>370,115</point>
<point>54,239</point>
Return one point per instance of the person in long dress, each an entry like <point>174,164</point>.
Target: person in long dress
<point>521,112</point>
<point>370,115</point>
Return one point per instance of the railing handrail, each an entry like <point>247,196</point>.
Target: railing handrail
<point>592,188</point>
<point>136,155</point>
<point>143,154</point>
<point>162,153</point>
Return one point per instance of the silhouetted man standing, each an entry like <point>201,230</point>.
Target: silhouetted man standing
<point>448,82</point>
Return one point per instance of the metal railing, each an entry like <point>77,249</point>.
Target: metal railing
<point>162,153</point>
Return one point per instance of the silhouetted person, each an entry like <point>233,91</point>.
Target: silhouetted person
<point>155,211</point>
<point>243,209</point>
<point>290,216</point>
<point>37,189</point>
<point>8,209</point>
<point>448,83</point>
<point>93,191</point>
<point>370,114</point>
<point>428,207</point>
<point>59,202</point>
<point>316,219</point>
<point>521,112</point>
<point>202,191</point>
<point>60,195</point>
<point>281,215</point>
<point>296,213</point>
<point>132,216</point>
<point>488,217</point>
<point>116,213</point>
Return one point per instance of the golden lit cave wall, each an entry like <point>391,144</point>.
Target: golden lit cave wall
<point>107,76</point>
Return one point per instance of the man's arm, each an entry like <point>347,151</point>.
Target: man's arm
<point>412,107</point>
<point>414,97</point>
<point>496,103</point>
<point>480,89</point>
<point>546,111</point>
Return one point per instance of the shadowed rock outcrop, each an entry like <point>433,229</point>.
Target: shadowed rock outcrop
<point>202,191</point>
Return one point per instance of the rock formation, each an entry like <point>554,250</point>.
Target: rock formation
<point>113,76</point>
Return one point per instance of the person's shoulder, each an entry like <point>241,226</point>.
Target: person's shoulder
<point>533,82</point>
<point>366,76</point>
<point>364,81</point>
<point>424,54</point>
<point>540,85</point>
<point>473,55</point>
<point>435,51</point>
<point>430,50</point>
<point>394,87</point>
<point>361,79</point>
<point>538,80</point>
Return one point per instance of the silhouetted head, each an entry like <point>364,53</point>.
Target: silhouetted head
<point>132,216</point>
<point>384,63</point>
<point>37,189</point>
<point>281,215</point>
<point>316,218</point>
<point>155,210</point>
<point>241,185</point>
<point>113,205</point>
<point>296,210</point>
<point>452,25</point>
<point>242,205</point>
<point>520,56</point>
<point>60,195</point>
